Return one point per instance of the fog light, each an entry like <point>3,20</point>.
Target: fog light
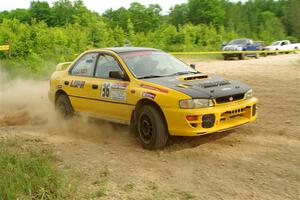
<point>192,117</point>
<point>208,120</point>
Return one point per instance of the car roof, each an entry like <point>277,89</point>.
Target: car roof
<point>130,49</point>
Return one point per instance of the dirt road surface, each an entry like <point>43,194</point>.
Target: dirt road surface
<point>260,160</point>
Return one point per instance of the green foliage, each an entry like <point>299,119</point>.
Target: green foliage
<point>28,175</point>
<point>269,27</point>
<point>40,10</point>
<point>179,14</point>
<point>143,18</point>
<point>292,18</point>
<point>206,12</point>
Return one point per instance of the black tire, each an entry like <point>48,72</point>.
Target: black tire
<point>133,125</point>
<point>63,107</point>
<point>152,128</point>
<point>256,55</point>
<point>242,56</point>
<point>225,57</point>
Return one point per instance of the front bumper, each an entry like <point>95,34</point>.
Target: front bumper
<point>226,116</point>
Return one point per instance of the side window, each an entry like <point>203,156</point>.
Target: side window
<point>106,64</point>
<point>85,65</point>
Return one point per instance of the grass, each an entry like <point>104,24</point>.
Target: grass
<point>101,191</point>
<point>185,195</point>
<point>29,174</point>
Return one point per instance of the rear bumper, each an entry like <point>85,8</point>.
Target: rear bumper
<point>226,116</point>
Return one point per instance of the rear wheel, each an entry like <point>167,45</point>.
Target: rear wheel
<point>151,127</point>
<point>63,106</point>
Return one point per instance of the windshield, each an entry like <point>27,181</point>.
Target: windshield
<point>238,41</point>
<point>151,64</point>
<point>275,43</point>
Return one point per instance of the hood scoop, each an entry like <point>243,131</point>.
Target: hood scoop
<point>215,84</point>
<point>192,78</point>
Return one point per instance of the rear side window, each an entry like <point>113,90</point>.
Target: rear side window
<point>85,65</point>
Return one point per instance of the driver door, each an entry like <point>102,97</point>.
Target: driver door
<point>111,94</point>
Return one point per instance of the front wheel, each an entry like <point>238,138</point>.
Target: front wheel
<point>152,128</point>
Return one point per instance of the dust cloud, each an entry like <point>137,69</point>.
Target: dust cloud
<point>24,102</point>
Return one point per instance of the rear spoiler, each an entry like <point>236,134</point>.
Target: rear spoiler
<point>62,66</point>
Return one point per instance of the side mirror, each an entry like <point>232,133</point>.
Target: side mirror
<point>117,75</point>
<point>193,66</point>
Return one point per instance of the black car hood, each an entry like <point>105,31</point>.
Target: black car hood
<point>201,86</point>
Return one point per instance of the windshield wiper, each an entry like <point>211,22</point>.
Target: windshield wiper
<point>150,76</point>
<point>183,73</point>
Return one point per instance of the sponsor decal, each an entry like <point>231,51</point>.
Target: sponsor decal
<point>114,91</point>
<point>105,90</point>
<point>77,84</point>
<point>154,88</point>
<point>148,95</point>
<point>58,87</point>
<point>120,86</point>
<point>118,95</point>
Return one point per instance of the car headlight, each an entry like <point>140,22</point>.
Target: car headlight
<point>195,103</point>
<point>249,94</point>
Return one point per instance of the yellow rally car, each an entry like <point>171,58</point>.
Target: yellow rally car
<point>154,92</point>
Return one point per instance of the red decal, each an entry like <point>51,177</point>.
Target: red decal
<point>127,55</point>
<point>121,84</point>
<point>154,88</point>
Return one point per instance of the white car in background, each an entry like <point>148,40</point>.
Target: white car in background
<point>282,45</point>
